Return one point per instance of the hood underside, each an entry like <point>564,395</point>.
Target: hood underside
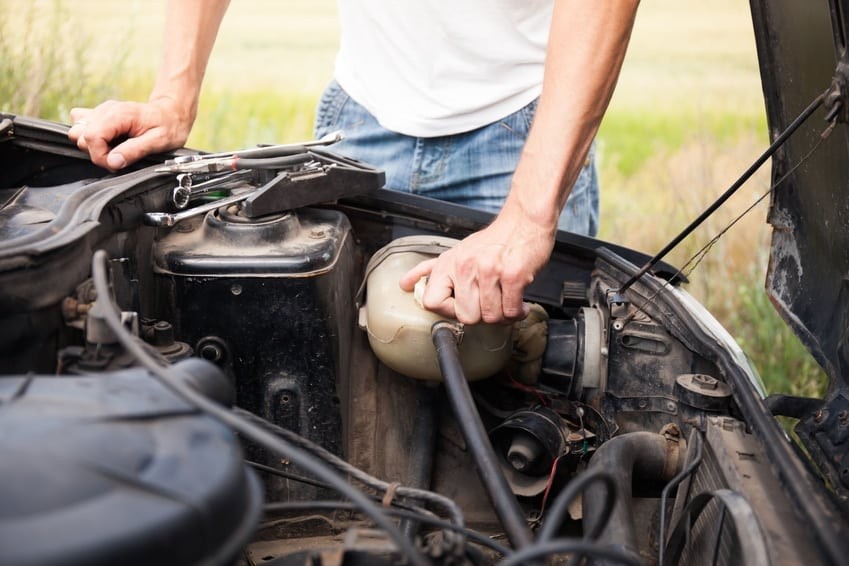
<point>802,53</point>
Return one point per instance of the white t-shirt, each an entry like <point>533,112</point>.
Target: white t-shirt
<point>436,67</point>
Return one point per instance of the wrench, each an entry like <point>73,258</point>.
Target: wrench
<point>172,218</point>
<point>186,189</point>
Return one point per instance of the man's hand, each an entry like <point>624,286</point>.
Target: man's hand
<point>484,277</point>
<point>116,134</point>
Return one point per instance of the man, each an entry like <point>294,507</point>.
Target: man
<point>426,77</point>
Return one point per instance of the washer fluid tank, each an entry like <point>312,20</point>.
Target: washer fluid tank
<point>399,328</point>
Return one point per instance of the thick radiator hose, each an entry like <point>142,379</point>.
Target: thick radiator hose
<point>642,455</point>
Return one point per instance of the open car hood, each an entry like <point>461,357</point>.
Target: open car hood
<point>802,53</point>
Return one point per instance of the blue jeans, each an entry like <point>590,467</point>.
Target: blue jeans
<point>472,169</point>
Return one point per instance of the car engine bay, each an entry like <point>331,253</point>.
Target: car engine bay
<point>207,360</point>
<point>608,421</point>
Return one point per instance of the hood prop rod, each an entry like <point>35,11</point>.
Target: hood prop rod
<point>618,296</point>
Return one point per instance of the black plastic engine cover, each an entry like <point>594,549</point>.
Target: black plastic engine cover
<point>115,469</point>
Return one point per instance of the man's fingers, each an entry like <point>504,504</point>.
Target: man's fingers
<point>78,123</point>
<point>490,300</point>
<point>133,149</point>
<point>466,302</point>
<point>512,304</point>
<point>439,296</point>
<point>409,280</point>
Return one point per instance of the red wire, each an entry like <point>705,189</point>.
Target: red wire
<point>528,389</point>
<point>550,483</point>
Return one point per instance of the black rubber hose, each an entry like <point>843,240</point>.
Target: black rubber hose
<point>645,455</point>
<point>271,162</point>
<point>422,445</point>
<point>468,419</point>
<point>554,518</point>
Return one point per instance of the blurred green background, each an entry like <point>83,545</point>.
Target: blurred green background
<point>687,118</point>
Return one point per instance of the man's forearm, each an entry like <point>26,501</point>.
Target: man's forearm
<point>191,28</point>
<point>586,48</point>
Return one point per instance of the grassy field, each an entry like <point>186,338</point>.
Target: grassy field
<point>686,119</point>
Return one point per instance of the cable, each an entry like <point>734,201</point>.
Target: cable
<point>473,535</point>
<point>753,550</point>
<point>718,537</point>
<point>576,487</point>
<point>562,546</point>
<point>779,141</point>
<point>287,475</point>
<point>697,258</point>
<point>274,443</point>
<point>664,495</point>
<point>449,505</point>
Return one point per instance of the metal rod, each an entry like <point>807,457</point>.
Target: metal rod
<point>506,507</point>
<point>779,141</point>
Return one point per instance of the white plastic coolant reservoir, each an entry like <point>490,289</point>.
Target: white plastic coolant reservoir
<point>399,328</point>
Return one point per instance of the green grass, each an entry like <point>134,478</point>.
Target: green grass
<point>630,137</point>
<point>687,118</point>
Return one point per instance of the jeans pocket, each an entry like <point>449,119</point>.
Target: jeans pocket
<point>528,112</point>
<point>329,108</point>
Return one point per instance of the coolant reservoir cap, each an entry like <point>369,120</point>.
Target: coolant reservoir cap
<point>399,328</point>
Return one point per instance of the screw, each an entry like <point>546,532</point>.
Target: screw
<point>236,289</point>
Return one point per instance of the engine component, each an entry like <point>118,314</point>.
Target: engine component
<point>399,328</point>
<point>160,335</point>
<point>646,455</point>
<point>119,470</point>
<point>826,431</point>
<point>528,443</point>
<point>101,352</point>
<point>572,362</point>
<point>703,392</point>
<point>287,277</point>
<point>735,463</point>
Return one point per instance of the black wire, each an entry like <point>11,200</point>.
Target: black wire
<point>562,546</point>
<point>375,483</point>
<point>454,541</point>
<point>753,545</point>
<point>554,518</point>
<point>477,537</point>
<point>779,141</point>
<point>247,429</point>
<point>696,259</point>
<point>697,459</point>
<point>287,475</point>
<point>718,536</point>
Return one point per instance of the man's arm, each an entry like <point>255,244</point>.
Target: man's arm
<point>164,122</point>
<point>485,275</point>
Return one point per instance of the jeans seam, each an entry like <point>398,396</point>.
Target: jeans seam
<point>330,107</point>
<point>529,112</point>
